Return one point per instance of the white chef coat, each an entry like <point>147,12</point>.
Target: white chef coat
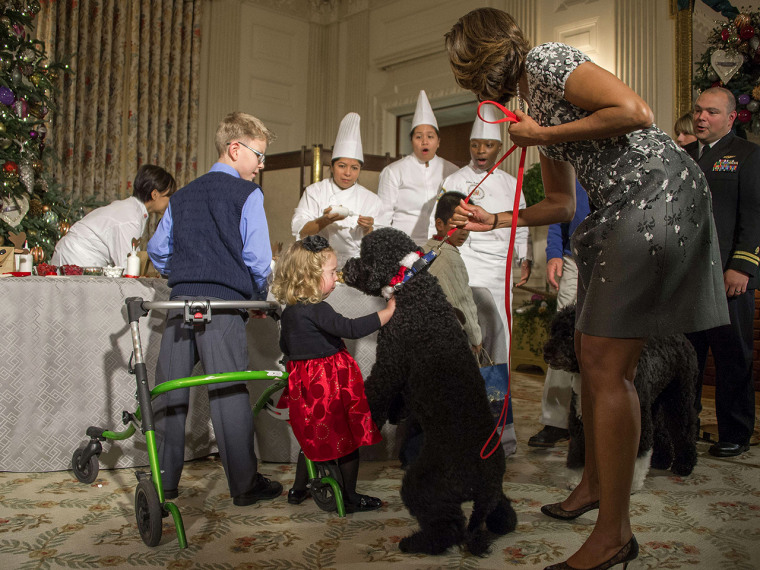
<point>344,235</point>
<point>408,190</point>
<point>104,236</point>
<point>485,253</point>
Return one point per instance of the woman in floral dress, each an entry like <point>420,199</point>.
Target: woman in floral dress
<point>647,255</point>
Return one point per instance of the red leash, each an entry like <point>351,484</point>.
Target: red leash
<point>509,117</point>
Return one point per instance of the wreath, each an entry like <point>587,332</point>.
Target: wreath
<point>732,60</point>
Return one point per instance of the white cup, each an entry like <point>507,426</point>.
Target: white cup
<point>24,262</point>
<point>133,266</point>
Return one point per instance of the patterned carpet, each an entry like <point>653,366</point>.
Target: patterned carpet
<point>710,519</point>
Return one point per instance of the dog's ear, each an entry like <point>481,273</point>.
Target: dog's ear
<point>353,273</point>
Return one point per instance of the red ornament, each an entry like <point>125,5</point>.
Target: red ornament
<point>744,116</point>
<point>10,167</point>
<point>716,84</point>
<point>747,32</point>
<point>725,34</point>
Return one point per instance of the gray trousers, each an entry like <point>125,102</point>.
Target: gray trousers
<point>221,347</point>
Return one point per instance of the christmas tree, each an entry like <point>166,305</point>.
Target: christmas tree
<point>732,60</point>
<point>31,202</point>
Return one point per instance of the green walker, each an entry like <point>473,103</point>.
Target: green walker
<point>150,504</point>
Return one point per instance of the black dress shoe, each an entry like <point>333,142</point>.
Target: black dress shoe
<point>549,436</point>
<point>171,494</point>
<point>727,449</point>
<point>262,489</point>
<point>556,511</point>
<point>297,497</point>
<point>623,556</point>
<point>363,503</point>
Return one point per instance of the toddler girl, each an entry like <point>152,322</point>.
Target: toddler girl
<point>325,394</point>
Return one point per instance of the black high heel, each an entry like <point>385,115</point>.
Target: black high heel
<point>629,552</point>
<point>556,511</point>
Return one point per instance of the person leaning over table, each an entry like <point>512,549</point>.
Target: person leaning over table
<point>104,236</point>
<point>314,214</point>
<point>648,259</point>
<point>408,187</point>
<point>213,243</point>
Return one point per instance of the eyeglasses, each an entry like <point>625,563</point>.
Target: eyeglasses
<point>260,155</point>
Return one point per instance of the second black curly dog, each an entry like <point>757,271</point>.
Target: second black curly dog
<point>423,355</point>
<point>666,380</point>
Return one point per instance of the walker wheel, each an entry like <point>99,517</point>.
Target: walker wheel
<point>90,471</point>
<point>322,492</point>
<point>148,512</point>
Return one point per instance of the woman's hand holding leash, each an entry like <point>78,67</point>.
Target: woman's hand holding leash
<point>526,132</point>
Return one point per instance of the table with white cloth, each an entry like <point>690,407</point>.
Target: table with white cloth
<point>64,360</point>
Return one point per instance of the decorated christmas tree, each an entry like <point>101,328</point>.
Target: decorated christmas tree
<point>31,202</point>
<point>732,60</point>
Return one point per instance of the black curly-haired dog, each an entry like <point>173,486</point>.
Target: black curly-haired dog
<point>423,355</point>
<point>666,381</point>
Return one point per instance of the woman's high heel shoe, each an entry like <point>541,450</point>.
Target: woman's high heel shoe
<point>556,511</point>
<point>629,552</point>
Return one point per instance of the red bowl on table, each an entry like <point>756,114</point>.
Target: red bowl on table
<point>46,269</point>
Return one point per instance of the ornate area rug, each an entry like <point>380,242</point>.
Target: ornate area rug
<point>709,520</point>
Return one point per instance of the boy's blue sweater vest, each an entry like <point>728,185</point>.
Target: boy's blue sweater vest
<point>207,256</point>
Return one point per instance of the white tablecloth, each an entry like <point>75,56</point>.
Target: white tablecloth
<point>63,367</point>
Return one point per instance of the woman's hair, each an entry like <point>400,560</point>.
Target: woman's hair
<point>236,126</point>
<point>685,124</point>
<point>487,53</point>
<point>150,177</point>
<point>411,133</point>
<point>298,274</point>
<point>334,160</point>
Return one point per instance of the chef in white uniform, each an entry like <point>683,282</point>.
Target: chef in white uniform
<point>485,253</point>
<point>104,236</point>
<point>339,208</point>
<point>408,188</point>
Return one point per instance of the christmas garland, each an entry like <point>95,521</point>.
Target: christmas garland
<point>732,60</point>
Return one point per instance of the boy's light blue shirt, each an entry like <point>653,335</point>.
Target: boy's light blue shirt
<point>257,253</point>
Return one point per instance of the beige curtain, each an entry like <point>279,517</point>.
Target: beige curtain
<point>132,98</point>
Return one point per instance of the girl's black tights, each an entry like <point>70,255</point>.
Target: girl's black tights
<point>349,471</point>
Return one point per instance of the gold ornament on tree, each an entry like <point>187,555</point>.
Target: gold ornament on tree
<point>38,254</point>
<point>64,228</point>
<point>742,20</point>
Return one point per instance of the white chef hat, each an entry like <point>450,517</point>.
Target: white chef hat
<point>423,114</point>
<point>483,130</point>
<point>348,143</point>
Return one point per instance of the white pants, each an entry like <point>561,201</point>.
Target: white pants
<point>560,385</point>
<point>489,270</point>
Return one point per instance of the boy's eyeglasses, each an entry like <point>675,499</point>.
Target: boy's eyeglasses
<point>260,155</point>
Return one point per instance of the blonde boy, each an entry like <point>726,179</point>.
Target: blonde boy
<point>213,243</point>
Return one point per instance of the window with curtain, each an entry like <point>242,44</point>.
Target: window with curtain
<point>132,98</point>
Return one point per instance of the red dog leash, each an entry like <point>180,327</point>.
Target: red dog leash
<point>509,117</point>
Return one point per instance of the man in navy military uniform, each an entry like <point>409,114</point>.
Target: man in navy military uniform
<point>732,168</point>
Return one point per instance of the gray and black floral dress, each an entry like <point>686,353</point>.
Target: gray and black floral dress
<point>647,255</point>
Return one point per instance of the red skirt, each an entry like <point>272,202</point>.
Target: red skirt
<point>329,412</point>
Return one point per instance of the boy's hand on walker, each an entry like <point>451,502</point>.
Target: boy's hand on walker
<point>257,314</point>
